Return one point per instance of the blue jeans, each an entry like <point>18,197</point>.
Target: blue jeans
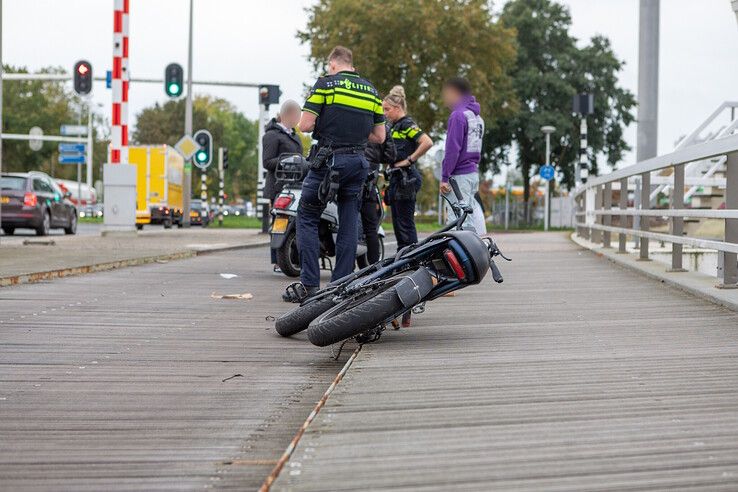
<point>352,171</point>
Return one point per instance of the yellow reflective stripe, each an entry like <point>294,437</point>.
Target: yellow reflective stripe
<point>310,111</point>
<point>323,91</point>
<point>354,102</point>
<point>364,95</point>
<point>316,99</point>
<point>412,132</point>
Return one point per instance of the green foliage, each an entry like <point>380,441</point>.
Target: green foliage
<point>427,197</point>
<point>550,70</point>
<point>48,105</point>
<point>164,123</point>
<point>419,44</point>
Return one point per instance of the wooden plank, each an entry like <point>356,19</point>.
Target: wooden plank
<point>572,375</point>
<point>114,381</point>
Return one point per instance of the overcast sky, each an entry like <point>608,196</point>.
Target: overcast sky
<point>254,41</point>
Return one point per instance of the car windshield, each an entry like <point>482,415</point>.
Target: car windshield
<point>13,183</point>
<point>196,205</point>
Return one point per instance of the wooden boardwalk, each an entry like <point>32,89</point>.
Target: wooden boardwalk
<point>572,375</point>
<point>114,381</point>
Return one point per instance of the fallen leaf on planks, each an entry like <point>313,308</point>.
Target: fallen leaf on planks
<point>243,297</point>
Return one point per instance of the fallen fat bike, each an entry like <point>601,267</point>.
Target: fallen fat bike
<point>362,303</point>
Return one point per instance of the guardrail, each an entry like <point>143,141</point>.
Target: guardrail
<point>595,208</point>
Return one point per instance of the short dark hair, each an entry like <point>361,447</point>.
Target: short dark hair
<point>460,84</point>
<point>342,55</point>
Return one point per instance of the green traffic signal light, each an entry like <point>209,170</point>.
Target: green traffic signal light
<point>173,80</point>
<point>201,156</point>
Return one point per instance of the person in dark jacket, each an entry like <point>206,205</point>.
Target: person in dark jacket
<point>279,138</point>
<point>376,155</point>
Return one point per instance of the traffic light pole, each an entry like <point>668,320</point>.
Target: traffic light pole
<point>221,179</point>
<point>262,202</point>
<point>204,187</point>
<point>187,188</point>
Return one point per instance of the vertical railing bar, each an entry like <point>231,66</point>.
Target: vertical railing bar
<point>623,204</point>
<point>607,219</point>
<point>645,205</point>
<point>596,233</point>
<point>730,263</point>
<point>677,223</point>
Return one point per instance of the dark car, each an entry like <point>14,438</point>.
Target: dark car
<point>200,213</point>
<point>33,200</point>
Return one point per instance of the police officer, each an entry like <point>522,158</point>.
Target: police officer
<point>344,112</point>
<point>371,207</point>
<point>411,143</point>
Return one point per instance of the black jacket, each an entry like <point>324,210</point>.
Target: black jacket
<point>276,141</point>
<point>384,153</point>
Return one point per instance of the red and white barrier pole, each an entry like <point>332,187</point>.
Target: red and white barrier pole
<point>120,78</point>
<point>119,178</point>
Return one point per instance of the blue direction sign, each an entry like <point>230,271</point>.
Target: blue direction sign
<point>71,148</point>
<point>71,159</point>
<point>547,172</point>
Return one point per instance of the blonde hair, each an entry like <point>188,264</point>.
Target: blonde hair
<point>396,97</point>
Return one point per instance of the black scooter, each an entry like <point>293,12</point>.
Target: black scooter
<point>363,303</point>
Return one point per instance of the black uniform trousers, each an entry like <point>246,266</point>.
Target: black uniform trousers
<point>352,171</point>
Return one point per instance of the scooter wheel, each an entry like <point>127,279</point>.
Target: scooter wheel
<point>288,257</point>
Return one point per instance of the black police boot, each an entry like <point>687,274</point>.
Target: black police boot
<point>297,293</point>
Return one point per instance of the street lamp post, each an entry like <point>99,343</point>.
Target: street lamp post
<point>547,130</point>
<point>187,188</point>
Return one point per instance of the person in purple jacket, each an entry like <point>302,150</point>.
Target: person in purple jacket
<point>463,148</point>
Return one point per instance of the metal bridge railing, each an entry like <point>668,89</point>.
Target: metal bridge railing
<point>595,207</point>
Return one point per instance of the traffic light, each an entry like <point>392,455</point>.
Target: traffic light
<point>173,80</point>
<point>204,154</point>
<point>225,158</point>
<point>269,94</point>
<point>82,77</point>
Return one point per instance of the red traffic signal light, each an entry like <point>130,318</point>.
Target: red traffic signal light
<point>82,77</point>
<point>269,94</point>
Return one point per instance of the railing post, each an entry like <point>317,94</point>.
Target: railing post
<point>607,219</point>
<point>596,233</point>
<point>730,260</point>
<point>677,223</point>
<point>645,205</point>
<point>589,206</point>
<point>623,205</point>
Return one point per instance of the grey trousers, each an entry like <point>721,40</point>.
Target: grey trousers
<point>469,186</point>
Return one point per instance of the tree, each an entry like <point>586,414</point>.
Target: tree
<point>549,71</point>
<point>48,105</point>
<point>164,124</point>
<point>419,44</point>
